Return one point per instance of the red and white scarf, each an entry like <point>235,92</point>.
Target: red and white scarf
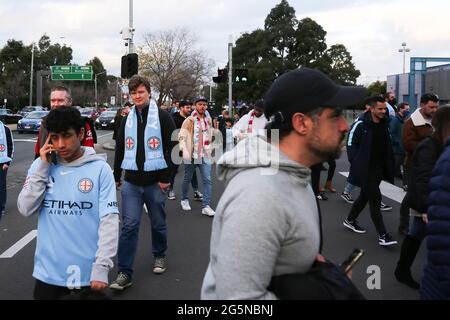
<point>250,123</point>
<point>201,136</point>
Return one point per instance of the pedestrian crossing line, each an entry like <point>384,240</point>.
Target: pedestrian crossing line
<point>25,140</point>
<point>19,245</point>
<point>388,190</point>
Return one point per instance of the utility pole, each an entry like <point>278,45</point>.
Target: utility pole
<point>31,75</point>
<point>404,50</point>
<point>230,75</point>
<point>95,84</point>
<point>130,41</point>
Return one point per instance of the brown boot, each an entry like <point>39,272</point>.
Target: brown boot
<point>329,187</point>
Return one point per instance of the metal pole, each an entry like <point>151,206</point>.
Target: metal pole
<point>96,97</point>
<point>31,74</point>
<point>230,74</point>
<point>130,42</point>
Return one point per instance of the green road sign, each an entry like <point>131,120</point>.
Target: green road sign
<point>72,73</point>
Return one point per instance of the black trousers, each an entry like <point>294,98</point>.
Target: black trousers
<point>315,177</point>
<point>331,169</point>
<point>370,192</point>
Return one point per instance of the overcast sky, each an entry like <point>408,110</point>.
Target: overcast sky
<point>372,31</point>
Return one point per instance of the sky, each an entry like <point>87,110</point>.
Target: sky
<point>372,31</point>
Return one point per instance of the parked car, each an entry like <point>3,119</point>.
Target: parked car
<point>7,116</point>
<point>106,120</point>
<point>26,110</point>
<point>32,122</point>
<point>89,113</point>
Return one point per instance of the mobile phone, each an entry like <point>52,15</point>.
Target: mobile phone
<point>53,156</point>
<point>352,259</point>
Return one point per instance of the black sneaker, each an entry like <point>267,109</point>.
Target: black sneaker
<point>159,266</point>
<point>123,281</point>
<point>347,197</point>
<point>353,225</point>
<point>385,240</point>
<point>385,207</point>
<point>322,196</point>
<point>198,196</point>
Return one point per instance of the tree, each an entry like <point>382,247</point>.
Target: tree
<point>285,44</point>
<point>175,68</point>
<point>377,87</point>
<point>343,70</point>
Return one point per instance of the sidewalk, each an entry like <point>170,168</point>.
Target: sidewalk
<point>109,145</point>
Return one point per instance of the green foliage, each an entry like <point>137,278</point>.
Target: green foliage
<point>15,65</point>
<point>377,87</point>
<point>285,44</point>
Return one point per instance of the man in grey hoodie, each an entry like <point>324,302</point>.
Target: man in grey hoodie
<point>267,220</point>
<point>74,195</point>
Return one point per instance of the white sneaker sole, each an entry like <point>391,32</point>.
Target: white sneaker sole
<point>115,286</point>
<point>353,228</point>
<point>159,270</point>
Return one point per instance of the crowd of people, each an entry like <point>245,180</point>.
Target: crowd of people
<point>295,130</point>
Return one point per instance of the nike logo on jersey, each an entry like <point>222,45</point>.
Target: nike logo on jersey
<point>65,173</point>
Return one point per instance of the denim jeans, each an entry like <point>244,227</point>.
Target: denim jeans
<point>3,174</point>
<point>194,181</point>
<point>133,199</point>
<point>205,171</point>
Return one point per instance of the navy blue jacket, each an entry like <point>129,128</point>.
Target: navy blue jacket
<point>396,127</point>
<point>359,151</point>
<point>436,276</point>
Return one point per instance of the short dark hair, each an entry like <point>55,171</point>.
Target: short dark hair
<point>136,81</point>
<point>429,97</point>
<point>373,100</point>
<point>403,105</point>
<point>62,88</point>
<point>63,119</point>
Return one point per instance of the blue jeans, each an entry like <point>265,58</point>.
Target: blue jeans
<point>205,171</point>
<point>3,174</point>
<point>194,181</point>
<point>133,199</point>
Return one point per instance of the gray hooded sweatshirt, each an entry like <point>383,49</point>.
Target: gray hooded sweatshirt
<point>266,222</point>
<point>30,200</point>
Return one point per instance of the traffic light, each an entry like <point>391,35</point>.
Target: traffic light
<point>241,75</point>
<point>130,65</point>
<point>221,76</point>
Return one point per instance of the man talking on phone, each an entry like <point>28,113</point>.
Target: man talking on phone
<point>75,200</point>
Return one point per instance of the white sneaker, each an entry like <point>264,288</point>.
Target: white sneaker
<point>207,211</point>
<point>185,205</point>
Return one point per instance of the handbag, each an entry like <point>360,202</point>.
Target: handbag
<point>324,281</point>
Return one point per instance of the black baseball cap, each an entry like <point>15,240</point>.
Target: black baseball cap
<point>198,99</point>
<point>306,89</point>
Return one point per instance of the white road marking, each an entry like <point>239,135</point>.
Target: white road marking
<point>388,190</point>
<point>19,245</point>
<point>25,140</point>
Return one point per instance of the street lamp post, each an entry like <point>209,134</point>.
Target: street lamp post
<point>404,50</point>
<point>31,74</point>
<point>230,74</point>
<point>95,84</point>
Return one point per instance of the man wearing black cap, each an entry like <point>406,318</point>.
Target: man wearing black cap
<point>195,144</point>
<point>267,220</point>
<point>179,117</point>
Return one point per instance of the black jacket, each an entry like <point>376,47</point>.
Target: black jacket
<point>423,161</point>
<point>360,151</point>
<point>140,177</point>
